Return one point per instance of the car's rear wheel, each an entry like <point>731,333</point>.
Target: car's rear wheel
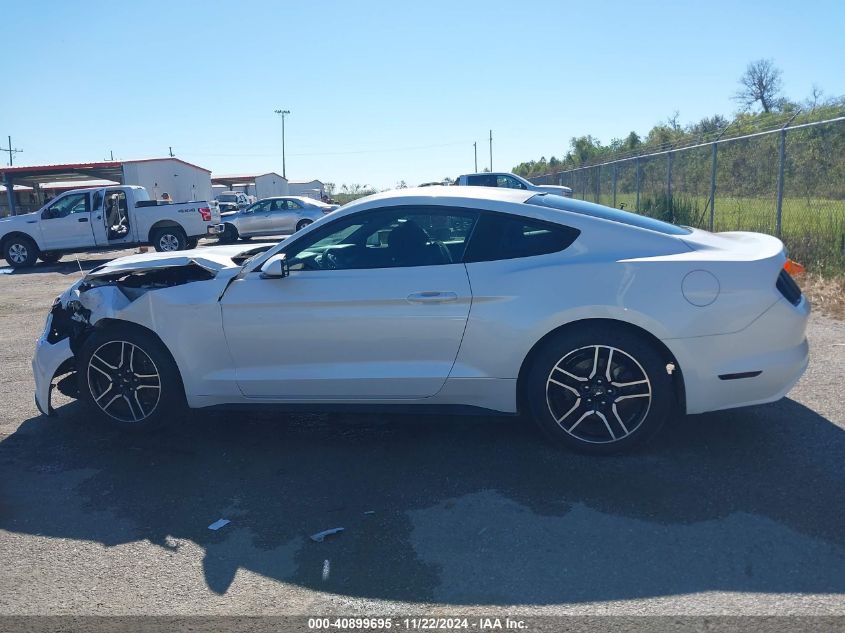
<point>20,252</point>
<point>302,224</point>
<point>598,390</point>
<point>50,257</point>
<point>170,238</point>
<point>129,379</point>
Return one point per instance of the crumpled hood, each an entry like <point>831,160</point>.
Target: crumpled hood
<point>212,258</point>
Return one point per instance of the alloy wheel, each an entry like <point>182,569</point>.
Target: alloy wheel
<point>124,381</point>
<point>18,253</point>
<point>168,242</point>
<point>598,394</point>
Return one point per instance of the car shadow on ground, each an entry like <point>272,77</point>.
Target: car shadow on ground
<point>457,510</point>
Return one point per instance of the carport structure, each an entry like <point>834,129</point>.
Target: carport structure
<point>179,179</point>
<point>35,176</point>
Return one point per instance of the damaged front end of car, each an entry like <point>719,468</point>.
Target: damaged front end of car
<point>122,290</point>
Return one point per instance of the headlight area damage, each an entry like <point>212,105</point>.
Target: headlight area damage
<point>119,290</point>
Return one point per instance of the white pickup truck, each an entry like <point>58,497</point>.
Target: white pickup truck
<point>509,181</point>
<point>101,219</point>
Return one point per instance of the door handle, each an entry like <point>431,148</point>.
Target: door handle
<point>432,297</point>
<point>82,219</point>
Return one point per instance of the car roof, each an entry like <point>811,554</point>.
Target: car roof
<point>452,193</point>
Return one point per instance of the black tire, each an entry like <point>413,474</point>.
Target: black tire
<point>20,252</point>
<point>50,257</point>
<point>192,242</point>
<point>568,379</point>
<point>302,224</point>
<point>229,235</point>
<point>127,357</point>
<point>169,239</point>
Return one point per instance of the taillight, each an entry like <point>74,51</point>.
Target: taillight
<point>205,212</point>
<point>793,268</point>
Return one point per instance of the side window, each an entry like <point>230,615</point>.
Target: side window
<point>508,182</point>
<point>501,236</point>
<point>481,180</point>
<point>74,203</point>
<point>98,201</point>
<point>261,207</point>
<point>293,205</point>
<point>391,238</point>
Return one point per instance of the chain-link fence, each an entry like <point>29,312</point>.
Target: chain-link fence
<point>788,182</point>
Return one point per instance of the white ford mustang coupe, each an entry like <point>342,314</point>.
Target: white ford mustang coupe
<point>597,322</point>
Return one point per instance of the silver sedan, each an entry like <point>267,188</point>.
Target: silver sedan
<point>273,216</point>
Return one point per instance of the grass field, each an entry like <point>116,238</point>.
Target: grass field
<point>813,230</point>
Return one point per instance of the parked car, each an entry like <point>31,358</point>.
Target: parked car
<point>104,218</point>
<point>598,322</point>
<point>273,216</point>
<point>233,201</point>
<point>508,181</point>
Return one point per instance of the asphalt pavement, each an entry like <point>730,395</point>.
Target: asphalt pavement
<point>737,512</point>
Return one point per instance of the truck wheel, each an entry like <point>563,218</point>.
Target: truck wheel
<point>128,379</point>
<point>50,257</point>
<point>20,252</point>
<point>168,239</point>
<point>192,242</point>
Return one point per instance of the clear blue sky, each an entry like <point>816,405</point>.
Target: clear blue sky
<point>384,91</point>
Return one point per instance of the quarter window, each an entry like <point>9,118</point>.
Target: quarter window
<point>501,236</point>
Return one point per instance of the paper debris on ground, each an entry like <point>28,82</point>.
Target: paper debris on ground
<point>319,537</point>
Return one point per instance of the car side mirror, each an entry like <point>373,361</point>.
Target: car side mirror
<point>275,268</point>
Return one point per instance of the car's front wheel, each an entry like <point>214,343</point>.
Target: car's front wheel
<point>599,390</point>
<point>302,224</point>
<point>129,379</point>
<point>229,234</point>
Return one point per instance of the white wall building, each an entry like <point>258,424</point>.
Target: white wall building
<point>271,184</point>
<point>310,188</point>
<point>183,181</point>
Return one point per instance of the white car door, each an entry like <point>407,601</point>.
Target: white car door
<point>67,223</point>
<point>370,310</point>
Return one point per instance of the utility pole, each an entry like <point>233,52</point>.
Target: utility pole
<point>283,113</point>
<point>170,149</point>
<point>12,151</point>
<point>111,155</point>
<point>475,153</point>
<point>491,150</point>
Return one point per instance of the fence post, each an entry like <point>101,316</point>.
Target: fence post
<point>598,183</point>
<point>781,161</point>
<point>637,204</point>
<point>713,189</point>
<point>614,185</point>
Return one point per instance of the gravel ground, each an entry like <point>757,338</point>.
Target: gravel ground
<point>740,512</point>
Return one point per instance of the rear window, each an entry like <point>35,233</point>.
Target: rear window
<point>501,236</point>
<point>553,201</point>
